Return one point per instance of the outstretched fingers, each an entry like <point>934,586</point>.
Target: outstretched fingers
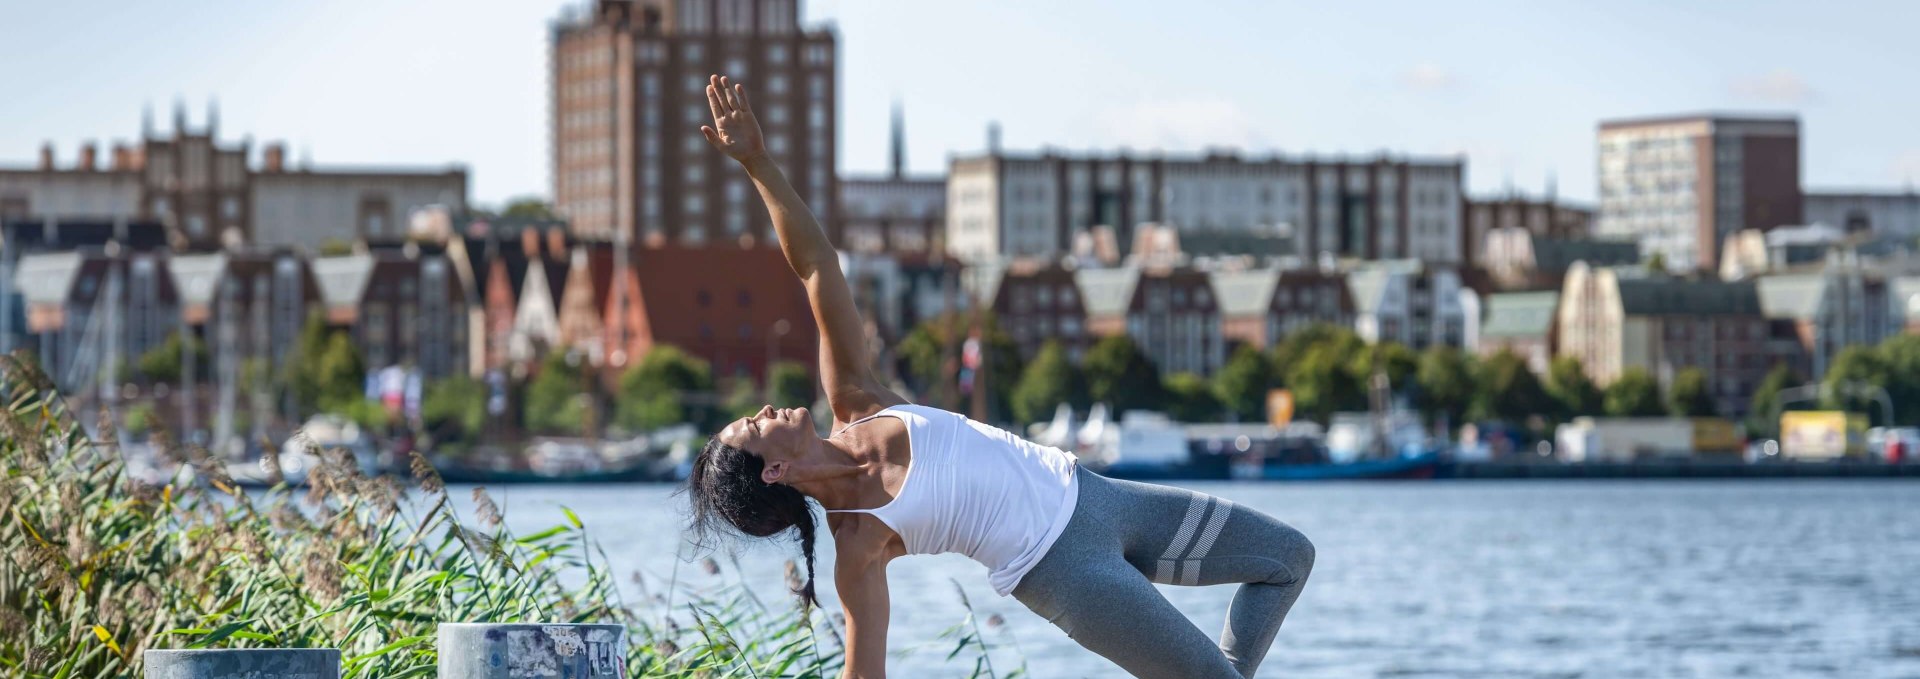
<point>714,104</point>
<point>726,94</point>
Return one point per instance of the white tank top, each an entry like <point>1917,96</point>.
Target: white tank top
<point>977,490</point>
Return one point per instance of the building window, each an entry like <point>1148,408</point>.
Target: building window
<point>777,54</point>
<point>695,204</point>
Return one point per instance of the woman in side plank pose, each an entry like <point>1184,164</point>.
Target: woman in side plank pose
<point>895,479</point>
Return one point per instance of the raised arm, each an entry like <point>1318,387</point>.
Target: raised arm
<point>845,370</point>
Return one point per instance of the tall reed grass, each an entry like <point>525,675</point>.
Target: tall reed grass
<point>101,566</point>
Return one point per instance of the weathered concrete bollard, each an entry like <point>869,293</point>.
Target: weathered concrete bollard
<point>514,650</point>
<point>244,663</point>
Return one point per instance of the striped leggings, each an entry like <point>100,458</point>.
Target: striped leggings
<point>1096,580</point>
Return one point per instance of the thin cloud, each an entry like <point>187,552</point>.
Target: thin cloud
<point>1780,86</point>
<point>1178,123</point>
<point>1429,78</point>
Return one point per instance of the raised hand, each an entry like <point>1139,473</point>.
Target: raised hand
<point>734,131</point>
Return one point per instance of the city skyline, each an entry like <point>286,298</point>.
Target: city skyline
<point>469,86</point>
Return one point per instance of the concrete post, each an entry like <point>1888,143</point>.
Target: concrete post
<point>510,650</point>
<point>251,663</point>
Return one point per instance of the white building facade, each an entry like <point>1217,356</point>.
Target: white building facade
<point>1034,205</point>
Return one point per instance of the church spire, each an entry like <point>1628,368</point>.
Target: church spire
<point>898,142</point>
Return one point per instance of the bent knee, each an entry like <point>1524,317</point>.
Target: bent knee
<point>1293,549</point>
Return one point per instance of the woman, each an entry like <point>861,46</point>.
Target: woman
<point>896,479</point>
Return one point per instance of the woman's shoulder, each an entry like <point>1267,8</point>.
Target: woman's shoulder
<point>862,537</point>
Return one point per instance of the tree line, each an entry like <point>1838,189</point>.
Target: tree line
<point>1327,369</point>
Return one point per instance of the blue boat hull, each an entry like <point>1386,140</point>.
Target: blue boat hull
<point>1423,466</point>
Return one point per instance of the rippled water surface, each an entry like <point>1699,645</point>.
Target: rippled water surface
<point>1451,579</point>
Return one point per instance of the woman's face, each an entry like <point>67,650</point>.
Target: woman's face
<point>778,436</point>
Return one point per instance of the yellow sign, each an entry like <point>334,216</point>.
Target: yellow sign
<point>1715,435</point>
<point>1819,434</point>
<point>1279,407</point>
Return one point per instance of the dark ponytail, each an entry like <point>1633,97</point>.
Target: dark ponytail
<point>728,495</point>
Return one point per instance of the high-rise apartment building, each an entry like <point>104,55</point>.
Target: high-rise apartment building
<point>1681,185</point>
<point>1004,205</point>
<point>629,84</point>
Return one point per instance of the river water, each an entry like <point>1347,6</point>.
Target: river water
<point>1751,578</point>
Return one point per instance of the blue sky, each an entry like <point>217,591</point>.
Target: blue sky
<point>1517,86</point>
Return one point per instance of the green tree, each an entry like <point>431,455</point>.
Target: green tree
<point>1242,384</point>
<point>1049,380</point>
<point>556,402</point>
<point>1191,399</point>
<point>1120,375</point>
<point>529,207</point>
<point>162,364</point>
<point>1572,390</point>
<point>1447,383</point>
<point>1901,357</point>
<point>1393,358</point>
<point>1761,417</point>
<point>1851,379</point>
<point>340,375</point>
<point>790,385</point>
<point>665,387</point>
<point>1321,381</point>
<point>1293,348</point>
<point>1657,262</point>
<point>1634,394</point>
<point>325,373</point>
<point>367,413</point>
<point>1509,391</point>
<point>303,371</point>
<point>139,418</point>
<point>930,356</point>
<point>1690,395</point>
<point>454,409</point>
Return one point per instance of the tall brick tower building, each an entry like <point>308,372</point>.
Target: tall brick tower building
<point>628,100</point>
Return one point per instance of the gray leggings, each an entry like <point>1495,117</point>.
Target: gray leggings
<point>1095,582</point>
